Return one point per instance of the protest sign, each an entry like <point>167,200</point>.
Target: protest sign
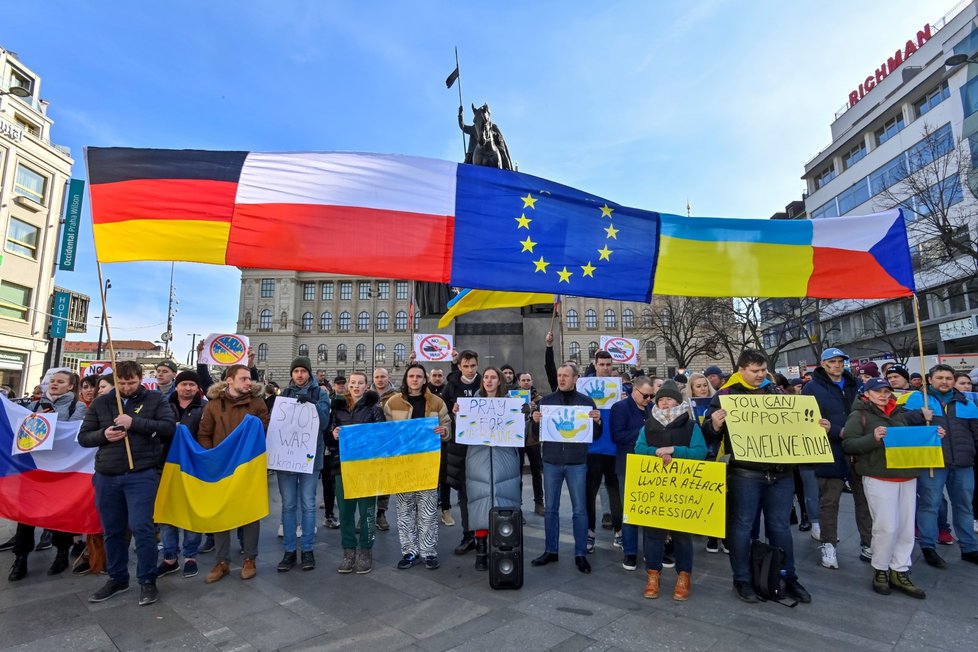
<point>224,349</point>
<point>389,457</point>
<point>150,383</point>
<point>490,422</point>
<point>95,367</point>
<point>685,496</point>
<point>775,428</point>
<point>293,431</point>
<point>432,347</point>
<point>566,424</point>
<point>623,350</point>
<point>34,432</point>
<point>522,394</point>
<point>605,392</point>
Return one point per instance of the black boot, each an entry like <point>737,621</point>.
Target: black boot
<point>482,553</point>
<point>60,563</point>
<point>19,570</point>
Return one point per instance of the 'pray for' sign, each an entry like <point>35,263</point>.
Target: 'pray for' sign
<point>775,428</point>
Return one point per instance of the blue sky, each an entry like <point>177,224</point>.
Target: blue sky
<point>645,103</point>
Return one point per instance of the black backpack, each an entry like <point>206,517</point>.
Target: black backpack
<point>767,573</point>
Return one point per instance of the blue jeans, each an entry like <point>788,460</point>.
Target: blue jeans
<point>960,483</point>
<point>127,500</point>
<point>170,536</point>
<point>655,546</point>
<point>750,494</point>
<point>629,533</point>
<point>553,479</point>
<point>810,482</point>
<point>295,488</point>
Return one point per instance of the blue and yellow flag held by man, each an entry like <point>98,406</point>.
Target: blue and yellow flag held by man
<point>217,489</point>
<point>913,447</point>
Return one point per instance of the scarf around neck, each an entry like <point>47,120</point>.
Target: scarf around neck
<point>668,415</point>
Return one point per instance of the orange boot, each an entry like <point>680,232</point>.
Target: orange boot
<point>681,592</point>
<point>652,585</point>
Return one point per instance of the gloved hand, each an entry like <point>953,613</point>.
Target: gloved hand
<point>303,398</point>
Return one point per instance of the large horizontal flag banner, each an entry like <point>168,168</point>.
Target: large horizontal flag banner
<point>467,225</point>
<point>389,457</point>
<point>216,489</point>
<point>47,488</point>
<point>913,447</point>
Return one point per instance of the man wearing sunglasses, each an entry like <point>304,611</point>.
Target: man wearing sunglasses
<point>627,418</point>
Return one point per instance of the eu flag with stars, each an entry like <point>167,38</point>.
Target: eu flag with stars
<point>521,233</point>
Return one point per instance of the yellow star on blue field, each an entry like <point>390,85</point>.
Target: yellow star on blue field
<point>588,269</point>
<point>528,244</point>
<point>611,231</point>
<point>604,252</point>
<point>541,265</point>
<point>530,200</point>
<point>524,222</point>
<point>605,210</point>
<point>564,275</point>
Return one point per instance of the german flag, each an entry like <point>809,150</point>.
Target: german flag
<point>913,447</point>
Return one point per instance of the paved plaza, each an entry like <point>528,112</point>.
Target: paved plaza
<point>453,608</point>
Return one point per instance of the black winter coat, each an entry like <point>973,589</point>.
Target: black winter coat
<point>153,419</point>
<point>366,410</point>
<point>714,437</point>
<point>835,405</point>
<point>454,452</point>
<point>189,417</point>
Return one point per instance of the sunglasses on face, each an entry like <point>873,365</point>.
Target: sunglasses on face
<point>647,397</point>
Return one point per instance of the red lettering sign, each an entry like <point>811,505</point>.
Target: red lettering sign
<point>891,64</point>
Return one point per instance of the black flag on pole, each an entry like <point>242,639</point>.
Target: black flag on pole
<point>451,78</point>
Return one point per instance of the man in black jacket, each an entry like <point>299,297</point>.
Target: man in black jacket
<point>125,488</point>
<point>566,462</point>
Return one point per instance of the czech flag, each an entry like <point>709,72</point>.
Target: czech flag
<point>49,488</point>
<point>390,457</point>
<point>913,447</point>
<point>217,489</point>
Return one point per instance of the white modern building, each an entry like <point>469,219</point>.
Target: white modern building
<point>911,113</point>
<point>33,176</point>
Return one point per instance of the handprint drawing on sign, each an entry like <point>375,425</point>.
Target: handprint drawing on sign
<point>564,424</point>
<point>599,391</point>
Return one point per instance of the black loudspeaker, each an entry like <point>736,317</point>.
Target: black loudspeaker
<point>505,548</point>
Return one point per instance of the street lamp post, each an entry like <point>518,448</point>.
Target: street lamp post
<point>101,323</point>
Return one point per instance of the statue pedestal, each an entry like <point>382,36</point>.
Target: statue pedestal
<point>504,336</point>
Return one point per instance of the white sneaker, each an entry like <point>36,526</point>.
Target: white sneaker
<point>446,518</point>
<point>281,532</point>
<point>828,556</point>
<point>976,525</point>
<point>816,531</point>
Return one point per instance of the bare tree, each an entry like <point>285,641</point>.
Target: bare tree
<point>930,185</point>
<point>683,324</point>
<point>769,325</point>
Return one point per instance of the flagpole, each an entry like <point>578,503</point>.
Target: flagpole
<point>920,345</point>
<point>115,375</point>
<point>460,105</point>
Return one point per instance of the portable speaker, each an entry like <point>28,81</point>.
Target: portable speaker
<point>505,548</point>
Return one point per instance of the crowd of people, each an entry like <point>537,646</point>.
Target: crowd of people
<point>676,418</point>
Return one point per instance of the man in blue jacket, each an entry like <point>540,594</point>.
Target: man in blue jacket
<point>834,389</point>
<point>627,418</point>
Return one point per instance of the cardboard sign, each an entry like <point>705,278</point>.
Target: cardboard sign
<point>605,392</point>
<point>34,432</point>
<point>389,457</point>
<point>490,422</point>
<point>623,350</point>
<point>95,367</point>
<point>566,424</point>
<point>685,496</point>
<point>433,347</point>
<point>224,350</point>
<point>293,431</point>
<point>776,428</point>
<point>522,394</point>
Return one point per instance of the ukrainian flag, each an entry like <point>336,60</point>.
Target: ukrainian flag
<point>217,489</point>
<point>390,457</point>
<point>473,300</point>
<point>913,447</point>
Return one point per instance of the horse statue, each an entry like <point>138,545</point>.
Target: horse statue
<point>487,146</point>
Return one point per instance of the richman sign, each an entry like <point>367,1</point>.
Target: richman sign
<point>891,64</point>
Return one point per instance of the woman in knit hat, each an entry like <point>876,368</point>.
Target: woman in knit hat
<point>669,432</point>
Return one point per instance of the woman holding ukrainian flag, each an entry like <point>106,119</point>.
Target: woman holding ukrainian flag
<point>890,492</point>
